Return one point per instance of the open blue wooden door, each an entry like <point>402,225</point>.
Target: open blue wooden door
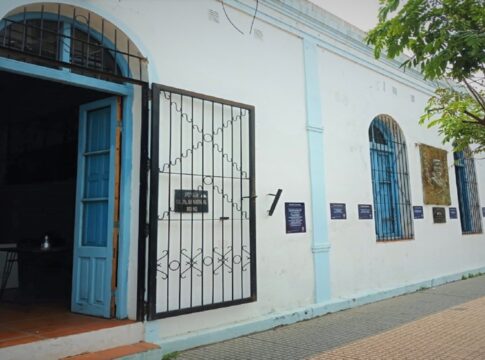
<point>95,196</point>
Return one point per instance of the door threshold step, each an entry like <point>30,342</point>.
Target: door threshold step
<point>116,352</point>
<point>71,345</point>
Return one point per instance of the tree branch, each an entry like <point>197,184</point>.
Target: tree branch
<point>478,119</point>
<point>475,94</point>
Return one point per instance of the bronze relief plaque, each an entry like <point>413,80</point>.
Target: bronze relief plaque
<point>434,173</point>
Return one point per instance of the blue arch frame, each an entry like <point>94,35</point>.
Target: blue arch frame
<point>124,90</point>
<point>68,23</point>
<point>385,156</point>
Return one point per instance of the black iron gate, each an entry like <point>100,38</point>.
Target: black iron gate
<point>202,203</point>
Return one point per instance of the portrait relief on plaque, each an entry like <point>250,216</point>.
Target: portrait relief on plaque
<point>434,173</point>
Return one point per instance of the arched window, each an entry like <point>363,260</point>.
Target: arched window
<point>59,41</point>
<point>390,180</point>
<point>466,183</point>
<point>68,37</point>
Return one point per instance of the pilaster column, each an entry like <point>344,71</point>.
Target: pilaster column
<point>320,241</point>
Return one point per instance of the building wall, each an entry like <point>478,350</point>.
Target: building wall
<point>186,49</point>
<point>352,96</point>
<point>213,58</point>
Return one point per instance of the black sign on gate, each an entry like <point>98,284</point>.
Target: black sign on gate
<point>191,201</point>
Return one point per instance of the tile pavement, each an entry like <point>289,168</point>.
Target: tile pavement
<point>456,333</point>
<point>446,322</point>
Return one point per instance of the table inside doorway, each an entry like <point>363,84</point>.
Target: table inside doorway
<point>43,273</point>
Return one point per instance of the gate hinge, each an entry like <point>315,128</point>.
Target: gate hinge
<point>145,308</point>
<point>147,229</point>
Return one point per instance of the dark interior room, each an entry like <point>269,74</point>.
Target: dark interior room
<point>38,163</point>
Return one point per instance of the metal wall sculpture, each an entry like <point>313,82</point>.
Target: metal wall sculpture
<point>434,173</point>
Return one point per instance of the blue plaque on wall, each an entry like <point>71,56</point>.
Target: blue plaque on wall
<point>295,218</point>
<point>338,211</point>
<point>365,211</point>
<point>418,212</point>
<point>453,213</point>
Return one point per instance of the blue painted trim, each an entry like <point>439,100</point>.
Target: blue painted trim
<point>64,77</point>
<point>153,332</point>
<point>320,241</point>
<point>125,208</point>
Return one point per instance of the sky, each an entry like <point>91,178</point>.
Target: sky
<point>360,13</point>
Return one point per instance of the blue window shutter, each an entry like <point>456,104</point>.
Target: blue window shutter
<point>467,192</point>
<point>390,182</point>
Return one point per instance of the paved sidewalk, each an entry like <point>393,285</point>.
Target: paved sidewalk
<point>447,322</point>
<point>456,333</point>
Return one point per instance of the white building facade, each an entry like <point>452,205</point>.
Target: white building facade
<point>199,258</point>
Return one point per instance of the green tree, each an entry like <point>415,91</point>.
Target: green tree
<point>445,40</point>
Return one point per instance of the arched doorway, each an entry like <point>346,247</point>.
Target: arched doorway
<point>68,90</point>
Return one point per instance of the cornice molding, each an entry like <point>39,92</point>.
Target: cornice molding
<point>306,20</point>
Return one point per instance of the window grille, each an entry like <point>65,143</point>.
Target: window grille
<point>390,180</point>
<point>466,183</point>
<point>66,37</point>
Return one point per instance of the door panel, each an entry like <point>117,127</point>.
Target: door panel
<point>93,239</point>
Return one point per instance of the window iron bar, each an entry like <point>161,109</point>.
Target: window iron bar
<point>28,39</point>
